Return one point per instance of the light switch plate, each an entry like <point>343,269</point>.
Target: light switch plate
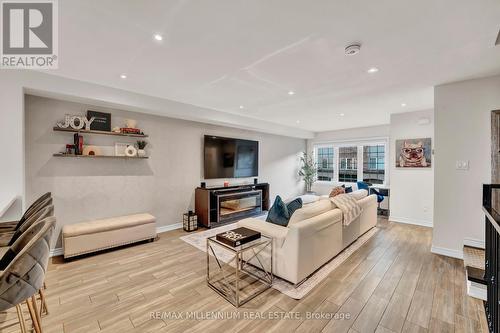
<point>462,165</point>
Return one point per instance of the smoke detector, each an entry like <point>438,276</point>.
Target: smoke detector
<point>352,49</point>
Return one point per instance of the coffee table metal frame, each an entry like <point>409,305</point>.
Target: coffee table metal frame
<point>232,294</point>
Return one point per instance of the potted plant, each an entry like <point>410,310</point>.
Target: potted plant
<point>141,145</point>
<point>308,171</point>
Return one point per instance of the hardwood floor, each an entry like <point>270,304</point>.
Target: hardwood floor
<point>391,284</point>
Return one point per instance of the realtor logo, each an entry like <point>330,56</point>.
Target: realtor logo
<point>29,34</point>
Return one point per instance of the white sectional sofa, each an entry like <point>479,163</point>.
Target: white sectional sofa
<point>314,235</point>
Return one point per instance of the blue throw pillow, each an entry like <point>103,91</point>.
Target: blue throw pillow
<point>293,205</point>
<point>278,214</point>
<point>348,189</point>
<point>363,186</point>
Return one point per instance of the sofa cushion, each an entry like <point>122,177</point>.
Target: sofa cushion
<point>359,194</point>
<point>311,210</point>
<point>309,198</point>
<point>113,223</point>
<point>278,214</point>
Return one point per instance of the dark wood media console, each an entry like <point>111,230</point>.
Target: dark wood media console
<point>216,206</point>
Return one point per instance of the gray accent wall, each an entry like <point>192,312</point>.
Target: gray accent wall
<point>163,185</point>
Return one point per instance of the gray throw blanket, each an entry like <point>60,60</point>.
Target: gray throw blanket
<point>349,207</point>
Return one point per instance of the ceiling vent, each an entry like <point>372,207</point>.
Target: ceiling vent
<point>352,49</point>
<point>498,39</point>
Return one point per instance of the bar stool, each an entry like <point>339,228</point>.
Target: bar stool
<point>23,268</point>
<point>36,205</point>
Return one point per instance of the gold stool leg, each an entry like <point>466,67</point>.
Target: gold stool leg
<point>33,315</point>
<point>37,313</point>
<point>43,303</point>
<point>20,316</point>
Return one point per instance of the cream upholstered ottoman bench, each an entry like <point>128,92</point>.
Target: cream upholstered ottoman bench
<point>88,237</point>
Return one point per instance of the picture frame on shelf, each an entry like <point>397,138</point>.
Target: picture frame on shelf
<point>102,121</point>
<point>120,148</point>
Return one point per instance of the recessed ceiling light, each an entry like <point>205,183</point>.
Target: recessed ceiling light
<point>372,70</point>
<point>242,107</point>
<point>342,114</point>
<point>403,104</point>
<point>158,37</point>
<point>291,92</point>
<point>297,121</point>
<point>123,76</point>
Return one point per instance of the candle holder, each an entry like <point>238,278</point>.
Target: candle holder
<point>190,221</point>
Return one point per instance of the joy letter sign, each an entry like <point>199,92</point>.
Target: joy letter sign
<point>76,122</point>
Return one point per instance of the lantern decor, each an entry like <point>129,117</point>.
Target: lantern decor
<point>190,221</point>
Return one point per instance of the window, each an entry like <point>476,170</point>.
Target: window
<point>324,163</point>
<point>339,163</point>
<point>348,166</point>
<point>374,164</point>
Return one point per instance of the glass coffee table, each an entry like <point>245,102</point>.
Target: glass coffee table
<point>240,273</point>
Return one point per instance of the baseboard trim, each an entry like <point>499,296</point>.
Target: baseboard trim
<point>410,221</point>
<point>447,252</point>
<point>169,227</point>
<point>58,251</point>
<point>474,242</point>
<point>476,290</point>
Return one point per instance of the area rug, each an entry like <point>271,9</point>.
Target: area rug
<point>199,240</point>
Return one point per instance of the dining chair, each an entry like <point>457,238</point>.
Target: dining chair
<point>24,275</point>
<point>371,190</point>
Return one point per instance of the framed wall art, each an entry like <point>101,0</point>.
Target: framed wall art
<point>414,153</point>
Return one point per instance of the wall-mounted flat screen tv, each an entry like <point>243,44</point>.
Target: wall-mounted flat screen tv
<point>230,158</point>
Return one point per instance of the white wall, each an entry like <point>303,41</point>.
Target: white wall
<point>12,136</point>
<point>351,134</point>
<point>85,189</point>
<point>412,190</point>
<point>463,132</point>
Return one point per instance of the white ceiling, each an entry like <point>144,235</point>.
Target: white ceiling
<point>225,53</point>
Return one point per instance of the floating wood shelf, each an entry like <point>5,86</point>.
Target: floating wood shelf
<point>99,156</point>
<point>70,130</point>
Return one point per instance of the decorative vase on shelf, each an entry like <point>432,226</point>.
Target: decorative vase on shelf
<point>141,145</point>
<point>130,151</point>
